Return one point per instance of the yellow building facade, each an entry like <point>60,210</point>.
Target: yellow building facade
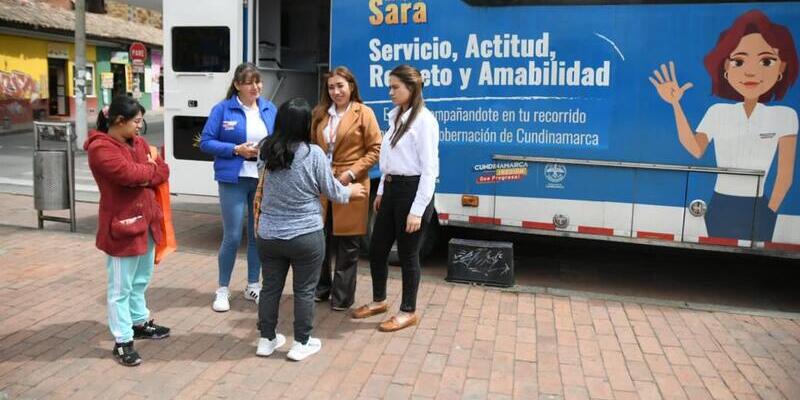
<point>36,79</point>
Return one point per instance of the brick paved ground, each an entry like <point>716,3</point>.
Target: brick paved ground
<point>471,343</point>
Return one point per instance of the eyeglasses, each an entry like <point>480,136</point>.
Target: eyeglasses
<point>143,125</point>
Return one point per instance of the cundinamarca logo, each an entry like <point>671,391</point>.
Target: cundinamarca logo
<point>394,12</point>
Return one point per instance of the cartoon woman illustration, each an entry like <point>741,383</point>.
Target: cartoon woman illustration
<point>753,62</point>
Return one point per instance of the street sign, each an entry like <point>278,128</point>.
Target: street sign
<point>107,80</point>
<point>138,53</point>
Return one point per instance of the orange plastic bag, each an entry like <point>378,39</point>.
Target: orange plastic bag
<point>170,244</point>
<point>162,197</point>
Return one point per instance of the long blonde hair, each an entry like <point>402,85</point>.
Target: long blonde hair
<point>410,77</point>
<point>325,99</point>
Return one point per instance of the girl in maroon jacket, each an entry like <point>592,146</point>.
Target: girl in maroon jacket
<point>128,223</point>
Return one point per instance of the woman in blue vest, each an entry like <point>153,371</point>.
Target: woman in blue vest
<point>231,134</point>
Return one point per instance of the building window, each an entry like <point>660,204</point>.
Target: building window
<point>96,6</point>
<point>93,6</point>
<point>89,80</point>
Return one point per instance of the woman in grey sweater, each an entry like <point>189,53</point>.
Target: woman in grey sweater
<point>290,225</point>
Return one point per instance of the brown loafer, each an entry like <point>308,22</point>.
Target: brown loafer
<point>364,311</point>
<point>393,324</point>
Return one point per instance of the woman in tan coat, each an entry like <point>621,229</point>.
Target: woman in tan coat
<point>348,132</point>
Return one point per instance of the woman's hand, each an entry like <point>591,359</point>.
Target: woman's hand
<point>357,191</point>
<point>345,178</point>
<point>413,223</point>
<point>773,205</point>
<point>666,83</point>
<point>130,220</point>
<point>246,150</point>
<point>376,205</point>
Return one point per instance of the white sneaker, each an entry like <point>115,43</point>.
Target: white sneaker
<point>252,291</point>
<point>301,351</point>
<point>222,301</point>
<point>266,347</point>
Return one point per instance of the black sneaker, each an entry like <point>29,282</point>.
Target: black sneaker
<point>150,331</point>
<point>126,355</point>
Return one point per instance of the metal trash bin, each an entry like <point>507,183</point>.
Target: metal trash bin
<point>50,180</point>
<point>54,172</point>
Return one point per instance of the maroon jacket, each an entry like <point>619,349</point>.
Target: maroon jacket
<point>127,200</point>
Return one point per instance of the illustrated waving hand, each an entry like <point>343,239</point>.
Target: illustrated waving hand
<point>666,83</point>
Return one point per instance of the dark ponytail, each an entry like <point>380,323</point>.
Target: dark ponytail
<point>292,125</point>
<point>121,109</point>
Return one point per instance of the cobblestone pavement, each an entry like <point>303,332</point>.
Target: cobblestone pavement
<point>472,342</point>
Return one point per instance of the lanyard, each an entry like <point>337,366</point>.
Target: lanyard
<point>332,128</point>
<point>331,139</point>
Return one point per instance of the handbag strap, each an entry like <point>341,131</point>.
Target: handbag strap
<point>257,198</point>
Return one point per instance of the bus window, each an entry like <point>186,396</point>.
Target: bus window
<point>201,49</point>
<point>186,138</point>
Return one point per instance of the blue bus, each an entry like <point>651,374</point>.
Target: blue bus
<point>664,123</point>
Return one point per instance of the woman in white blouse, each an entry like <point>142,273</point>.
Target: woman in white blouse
<point>409,162</point>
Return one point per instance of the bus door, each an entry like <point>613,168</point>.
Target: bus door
<point>203,43</point>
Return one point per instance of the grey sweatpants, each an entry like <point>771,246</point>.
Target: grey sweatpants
<point>304,253</point>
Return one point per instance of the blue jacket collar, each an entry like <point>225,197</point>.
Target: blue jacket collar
<point>233,102</point>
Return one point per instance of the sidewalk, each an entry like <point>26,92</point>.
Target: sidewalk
<point>472,342</point>
<point>154,115</point>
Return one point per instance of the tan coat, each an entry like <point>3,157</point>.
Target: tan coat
<point>357,148</point>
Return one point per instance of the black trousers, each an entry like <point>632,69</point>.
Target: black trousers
<point>390,225</point>
<point>342,288</point>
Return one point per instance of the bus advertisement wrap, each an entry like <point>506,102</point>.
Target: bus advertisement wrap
<point>685,85</point>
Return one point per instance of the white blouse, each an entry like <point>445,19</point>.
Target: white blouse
<point>748,143</point>
<point>256,130</point>
<point>417,153</point>
<point>330,130</point>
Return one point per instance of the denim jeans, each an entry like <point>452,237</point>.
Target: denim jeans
<point>234,200</point>
<point>304,255</point>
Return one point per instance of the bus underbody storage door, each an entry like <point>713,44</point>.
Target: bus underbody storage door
<point>585,199</point>
<point>715,217</point>
<point>658,210</point>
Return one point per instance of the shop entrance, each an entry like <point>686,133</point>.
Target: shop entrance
<point>57,86</point>
<point>120,84</point>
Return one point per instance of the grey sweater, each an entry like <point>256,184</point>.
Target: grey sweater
<point>290,205</point>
